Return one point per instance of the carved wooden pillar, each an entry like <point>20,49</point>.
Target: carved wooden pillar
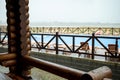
<point>25,34</point>
<point>18,34</point>
<point>13,28</point>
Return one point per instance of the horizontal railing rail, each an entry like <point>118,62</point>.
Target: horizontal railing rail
<point>67,72</point>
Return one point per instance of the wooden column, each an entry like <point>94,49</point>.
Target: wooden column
<point>18,34</point>
<point>13,28</point>
<point>25,35</point>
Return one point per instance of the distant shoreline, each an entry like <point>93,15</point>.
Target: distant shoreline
<point>70,24</point>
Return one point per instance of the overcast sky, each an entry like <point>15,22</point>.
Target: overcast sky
<point>103,11</point>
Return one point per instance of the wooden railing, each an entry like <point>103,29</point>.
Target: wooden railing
<point>72,30</point>
<point>77,30</point>
<point>41,44</point>
<point>104,72</point>
<point>55,39</point>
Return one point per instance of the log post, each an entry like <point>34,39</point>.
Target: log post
<point>13,28</point>
<point>18,35</point>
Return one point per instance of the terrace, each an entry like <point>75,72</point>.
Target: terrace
<point>20,62</point>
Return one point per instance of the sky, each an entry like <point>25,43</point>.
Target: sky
<point>83,11</point>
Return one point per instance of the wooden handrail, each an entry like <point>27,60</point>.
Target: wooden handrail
<point>67,72</point>
<point>98,74</point>
<point>63,71</point>
<point>7,56</point>
<point>8,59</point>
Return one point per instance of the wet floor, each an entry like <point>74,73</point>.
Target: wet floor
<point>36,74</point>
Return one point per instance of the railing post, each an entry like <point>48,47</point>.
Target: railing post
<point>93,46</point>
<point>0,34</point>
<point>37,29</point>
<point>42,40</point>
<point>73,44</point>
<point>116,48</point>
<point>43,29</point>
<point>88,30</point>
<point>56,42</point>
<point>112,30</point>
<point>119,31</point>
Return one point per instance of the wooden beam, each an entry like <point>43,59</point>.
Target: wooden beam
<point>63,71</point>
<point>9,63</point>
<point>6,56</point>
<point>98,74</point>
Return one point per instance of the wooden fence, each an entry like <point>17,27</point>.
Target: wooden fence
<point>73,30</point>
<point>55,40</point>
